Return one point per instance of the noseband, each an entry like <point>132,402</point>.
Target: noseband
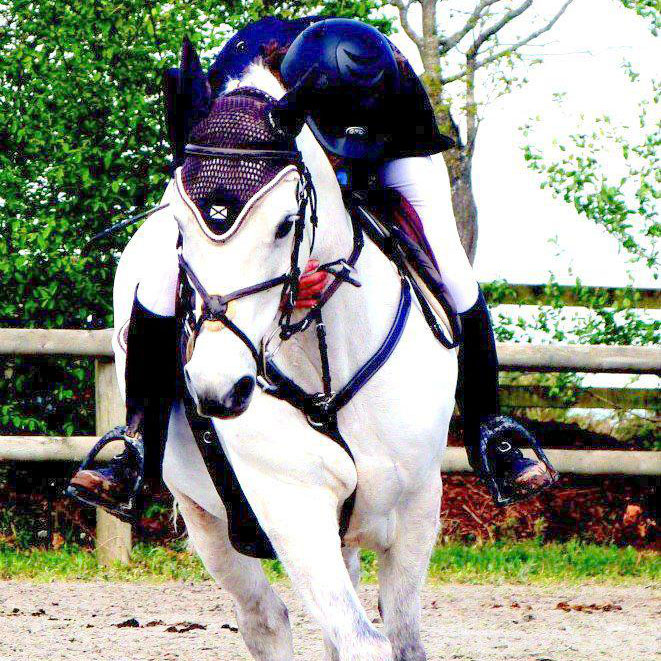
<point>214,306</point>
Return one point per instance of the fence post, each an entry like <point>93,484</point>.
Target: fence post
<point>113,537</point>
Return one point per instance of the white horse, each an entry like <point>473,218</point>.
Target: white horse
<point>295,478</point>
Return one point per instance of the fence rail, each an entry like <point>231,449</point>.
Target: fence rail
<point>579,462</point>
<point>512,357</point>
<point>114,537</point>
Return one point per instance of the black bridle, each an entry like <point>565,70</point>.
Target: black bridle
<point>214,306</point>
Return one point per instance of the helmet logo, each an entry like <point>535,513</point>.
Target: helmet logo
<point>360,59</point>
<point>356,131</point>
<point>367,69</point>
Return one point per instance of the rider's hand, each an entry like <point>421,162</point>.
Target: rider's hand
<point>311,284</point>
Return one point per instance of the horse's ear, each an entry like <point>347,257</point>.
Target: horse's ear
<point>194,84</point>
<point>175,113</point>
<point>187,97</point>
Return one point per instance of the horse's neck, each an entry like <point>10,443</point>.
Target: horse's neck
<point>356,318</point>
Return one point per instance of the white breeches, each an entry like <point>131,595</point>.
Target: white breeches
<point>420,181</point>
<point>417,179</point>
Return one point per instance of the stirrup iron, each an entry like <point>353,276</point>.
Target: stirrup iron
<point>125,511</point>
<point>502,489</point>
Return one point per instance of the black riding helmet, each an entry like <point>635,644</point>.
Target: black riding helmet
<point>349,71</point>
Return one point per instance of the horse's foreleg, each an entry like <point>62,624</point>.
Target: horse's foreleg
<point>303,529</point>
<point>403,568</point>
<point>352,563</point>
<point>262,617</point>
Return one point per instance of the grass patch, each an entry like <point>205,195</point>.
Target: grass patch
<point>534,562</point>
<point>511,562</point>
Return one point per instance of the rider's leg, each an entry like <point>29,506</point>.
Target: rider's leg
<point>417,179</point>
<point>151,366</point>
<point>148,354</point>
<point>150,383</point>
<point>477,397</point>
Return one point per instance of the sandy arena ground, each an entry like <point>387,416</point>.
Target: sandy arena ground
<point>49,622</point>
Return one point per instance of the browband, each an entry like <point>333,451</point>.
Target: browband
<point>229,152</point>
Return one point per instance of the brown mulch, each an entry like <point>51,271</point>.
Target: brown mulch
<point>614,510</point>
<point>603,510</point>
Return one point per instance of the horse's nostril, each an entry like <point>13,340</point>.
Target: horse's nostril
<point>242,390</point>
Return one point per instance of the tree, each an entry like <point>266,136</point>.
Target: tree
<point>609,172</point>
<point>464,53</point>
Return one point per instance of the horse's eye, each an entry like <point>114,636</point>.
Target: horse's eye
<point>285,227</point>
<point>241,47</point>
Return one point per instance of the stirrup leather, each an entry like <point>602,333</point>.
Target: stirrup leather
<point>504,429</point>
<point>126,511</point>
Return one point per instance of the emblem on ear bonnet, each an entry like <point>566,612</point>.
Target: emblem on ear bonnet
<point>187,96</point>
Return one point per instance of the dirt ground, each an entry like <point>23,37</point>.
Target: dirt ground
<point>50,622</point>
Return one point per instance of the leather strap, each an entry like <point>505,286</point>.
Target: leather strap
<point>378,360</point>
<point>245,532</point>
<point>229,152</point>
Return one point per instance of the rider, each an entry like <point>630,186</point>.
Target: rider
<point>370,110</point>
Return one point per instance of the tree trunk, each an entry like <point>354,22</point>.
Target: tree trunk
<point>459,166</point>
<point>458,160</point>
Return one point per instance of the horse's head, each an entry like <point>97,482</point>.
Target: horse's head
<point>241,213</point>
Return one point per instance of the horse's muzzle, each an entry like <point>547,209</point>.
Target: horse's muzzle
<point>231,405</point>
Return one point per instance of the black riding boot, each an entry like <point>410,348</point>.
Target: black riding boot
<point>150,390</point>
<point>489,437</point>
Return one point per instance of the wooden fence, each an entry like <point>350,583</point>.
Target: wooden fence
<point>114,537</point>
